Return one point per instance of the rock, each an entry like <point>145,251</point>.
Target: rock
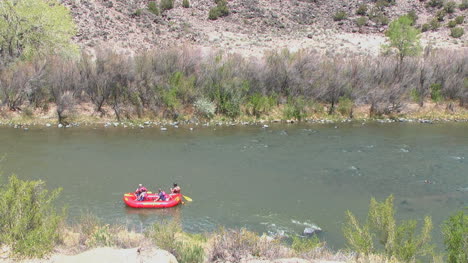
<point>60,125</point>
<point>309,231</point>
<point>265,126</point>
<point>115,124</point>
<point>147,123</point>
<point>48,125</point>
<point>163,129</point>
<point>191,129</point>
<point>310,35</point>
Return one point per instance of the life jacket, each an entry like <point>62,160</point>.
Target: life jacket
<point>143,189</point>
<point>162,196</point>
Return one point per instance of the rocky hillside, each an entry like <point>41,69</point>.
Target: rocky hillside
<point>253,26</point>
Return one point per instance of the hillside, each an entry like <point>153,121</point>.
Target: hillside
<point>253,25</point>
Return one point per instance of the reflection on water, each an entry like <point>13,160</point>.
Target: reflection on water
<point>277,180</point>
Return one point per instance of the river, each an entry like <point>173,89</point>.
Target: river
<point>276,180</point>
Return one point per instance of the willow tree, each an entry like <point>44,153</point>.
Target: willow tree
<point>403,37</point>
<point>34,27</point>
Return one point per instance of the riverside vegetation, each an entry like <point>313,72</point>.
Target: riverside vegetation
<point>31,226</point>
<point>38,73</point>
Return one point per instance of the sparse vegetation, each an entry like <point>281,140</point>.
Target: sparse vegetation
<point>340,15</point>
<point>459,20</point>
<point>165,5</point>
<point>457,32</point>
<point>361,21</point>
<point>153,8</point>
<point>221,9</point>
<point>450,6</point>
<point>186,4</point>
<point>435,3</point>
<point>463,5</point>
<point>362,10</point>
<point>452,23</point>
<point>455,231</point>
<point>435,24</point>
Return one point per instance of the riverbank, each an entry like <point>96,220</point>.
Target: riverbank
<point>84,115</point>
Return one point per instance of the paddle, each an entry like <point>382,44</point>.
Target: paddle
<point>187,198</point>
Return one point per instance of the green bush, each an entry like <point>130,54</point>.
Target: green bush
<point>28,219</point>
<point>205,107</point>
<point>459,20</point>
<point>463,5</point>
<point>100,237</point>
<point>435,24</point>
<point>221,9</point>
<point>302,245</point>
<point>380,19</point>
<point>455,231</point>
<point>425,27</point>
<point>258,104</point>
<point>457,32</point>
<point>185,4</point>
<point>436,92</point>
<point>450,7</point>
<point>153,8</point>
<point>440,15</point>
<point>413,16</point>
<point>295,108</point>
<point>345,107</point>
<point>452,23</point>
<point>167,236</point>
<point>381,232</point>
<point>138,12</point>
<point>166,5</point>
<point>381,4</point>
<point>435,3</point>
<point>362,10</point>
<point>361,21</point>
<point>340,15</point>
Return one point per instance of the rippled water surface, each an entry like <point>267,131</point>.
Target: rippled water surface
<point>276,180</point>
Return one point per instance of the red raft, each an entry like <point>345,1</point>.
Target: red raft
<point>130,200</point>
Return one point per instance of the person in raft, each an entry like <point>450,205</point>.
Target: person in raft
<point>176,189</point>
<point>161,196</point>
<point>141,192</point>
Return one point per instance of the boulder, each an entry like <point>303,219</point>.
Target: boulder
<point>309,231</point>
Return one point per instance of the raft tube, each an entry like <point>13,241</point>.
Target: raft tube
<point>130,200</point>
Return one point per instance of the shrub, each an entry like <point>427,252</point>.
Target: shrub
<point>459,20</point>
<point>205,107</point>
<point>301,245</point>
<point>153,8</point>
<point>167,236</point>
<point>436,92</point>
<point>457,32</point>
<point>413,16</point>
<point>362,9</point>
<point>258,104</point>
<point>450,7</point>
<point>340,15</point>
<point>463,5</point>
<point>166,5</point>
<point>28,220</point>
<point>100,237</point>
<point>361,21</point>
<point>398,241</point>
<point>381,4</point>
<point>186,4</point>
<point>425,27</point>
<point>295,108</point>
<point>455,231</point>
<point>221,9</point>
<point>435,24</point>
<point>435,3</point>
<point>380,19</point>
<point>452,23</point>
<point>138,12</point>
<point>440,15</point>
<point>345,107</point>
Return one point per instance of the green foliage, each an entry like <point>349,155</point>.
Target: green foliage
<point>185,4</point>
<point>452,23</point>
<point>435,3</point>
<point>258,104</point>
<point>302,245</point>
<point>436,92</point>
<point>381,231</point>
<point>34,27</point>
<point>361,21</point>
<point>413,16</point>
<point>166,5</point>
<point>463,5</point>
<point>153,8</point>
<point>450,7</point>
<point>435,24</point>
<point>440,15</point>
<point>295,108</point>
<point>425,27</point>
<point>340,15</point>
<point>28,220</point>
<point>345,106</point>
<point>415,95</point>
<point>221,9</point>
<point>100,237</point>
<point>459,20</point>
<point>455,231</point>
<point>167,236</point>
<point>138,12</point>
<point>457,32</point>
<point>403,37</point>
<point>378,17</point>
<point>362,10</point>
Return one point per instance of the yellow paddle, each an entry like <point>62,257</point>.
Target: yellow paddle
<point>187,198</point>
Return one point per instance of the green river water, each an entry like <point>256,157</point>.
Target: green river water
<point>277,180</point>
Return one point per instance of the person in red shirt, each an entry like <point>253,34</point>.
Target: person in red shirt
<point>141,192</point>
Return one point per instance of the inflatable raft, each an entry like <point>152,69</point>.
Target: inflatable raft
<point>149,202</point>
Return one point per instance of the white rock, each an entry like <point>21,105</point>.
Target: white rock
<point>163,129</point>
<point>48,125</point>
<point>60,125</point>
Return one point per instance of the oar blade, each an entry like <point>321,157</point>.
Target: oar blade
<point>188,198</point>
